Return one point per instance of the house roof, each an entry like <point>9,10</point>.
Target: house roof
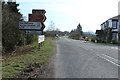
<point>113,18</point>
<point>116,17</point>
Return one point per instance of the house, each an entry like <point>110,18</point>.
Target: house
<point>109,30</point>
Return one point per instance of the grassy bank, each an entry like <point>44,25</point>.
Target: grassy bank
<point>34,58</point>
<point>56,38</point>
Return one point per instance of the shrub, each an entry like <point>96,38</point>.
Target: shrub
<point>114,42</point>
<point>76,38</point>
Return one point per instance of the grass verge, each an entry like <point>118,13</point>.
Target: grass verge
<point>56,38</point>
<point>36,56</point>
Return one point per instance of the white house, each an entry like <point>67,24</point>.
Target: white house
<point>113,24</point>
<point>109,30</point>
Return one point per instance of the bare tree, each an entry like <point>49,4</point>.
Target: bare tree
<point>51,26</point>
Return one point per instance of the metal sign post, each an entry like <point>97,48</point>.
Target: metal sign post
<point>24,38</point>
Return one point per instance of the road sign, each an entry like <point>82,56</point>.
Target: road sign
<point>41,38</point>
<point>30,25</point>
<point>34,32</point>
<point>38,11</point>
<point>37,17</point>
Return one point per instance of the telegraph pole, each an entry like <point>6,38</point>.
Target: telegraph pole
<point>1,39</point>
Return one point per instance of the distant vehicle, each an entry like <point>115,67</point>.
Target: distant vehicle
<point>82,38</point>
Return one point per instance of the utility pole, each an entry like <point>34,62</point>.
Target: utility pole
<point>119,21</point>
<point>1,39</point>
<point>1,19</point>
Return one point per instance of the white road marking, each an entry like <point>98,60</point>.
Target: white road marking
<point>57,50</point>
<point>114,47</point>
<point>109,59</point>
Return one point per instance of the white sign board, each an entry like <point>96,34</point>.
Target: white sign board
<point>30,25</point>
<point>41,38</point>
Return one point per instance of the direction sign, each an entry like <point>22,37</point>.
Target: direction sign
<point>30,25</point>
<point>38,11</point>
<point>34,32</point>
<point>37,17</point>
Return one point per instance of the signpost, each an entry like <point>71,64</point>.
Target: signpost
<point>35,25</point>
<point>37,17</point>
<point>30,25</point>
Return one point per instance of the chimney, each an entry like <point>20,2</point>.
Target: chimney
<point>119,8</point>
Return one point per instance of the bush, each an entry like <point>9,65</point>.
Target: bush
<point>11,35</point>
<point>114,42</point>
<point>104,41</point>
<point>76,38</point>
<point>31,38</point>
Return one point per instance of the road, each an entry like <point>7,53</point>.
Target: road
<point>79,59</point>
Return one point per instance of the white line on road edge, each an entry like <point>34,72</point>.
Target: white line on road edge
<point>109,59</point>
<point>57,50</point>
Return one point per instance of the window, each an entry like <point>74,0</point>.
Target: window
<point>114,36</point>
<point>102,27</point>
<point>114,24</point>
<point>110,23</point>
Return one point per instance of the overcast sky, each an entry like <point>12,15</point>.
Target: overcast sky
<point>67,14</point>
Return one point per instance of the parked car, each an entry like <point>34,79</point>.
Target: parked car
<point>82,38</point>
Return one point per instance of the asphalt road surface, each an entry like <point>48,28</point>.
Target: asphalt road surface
<point>79,59</point>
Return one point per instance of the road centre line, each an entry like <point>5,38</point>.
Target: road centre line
<point>111,58</point>
<point>107,58</point>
